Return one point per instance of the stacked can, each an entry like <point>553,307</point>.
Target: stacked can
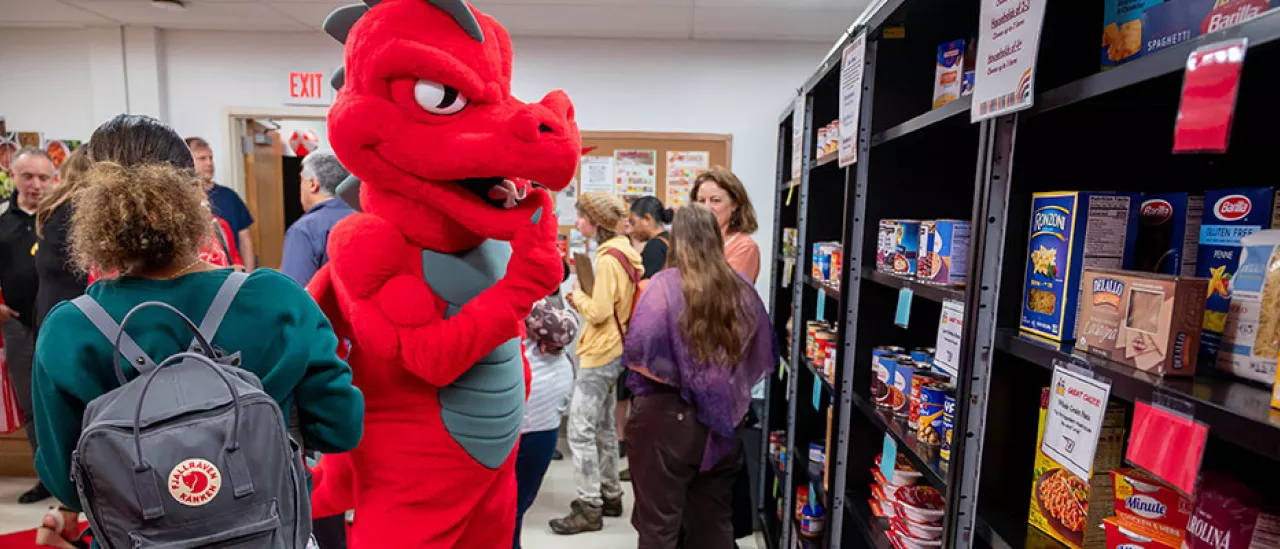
<point>918,381</point>
<point>884,360</point>
<point>811,330</point>
<point>948,423</point>
<point>933,398</point>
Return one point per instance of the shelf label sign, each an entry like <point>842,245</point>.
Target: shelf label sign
<point>1167,444</point>
<point>888,457</point>
<point>797,139</point>
<point>1077,405</point>
<point>903,315</point>
<point>822,305</point>
<point>1008,42</point>
<point>851,64</point>
<point>1209,92</point>
<point>950,331</point>
<point>817,392</point>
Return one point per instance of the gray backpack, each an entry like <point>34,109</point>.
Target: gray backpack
<point>191,453</point>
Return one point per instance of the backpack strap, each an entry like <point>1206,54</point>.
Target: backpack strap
<point>632,273</point>
<point>110,329</point>
<point>218,308</point>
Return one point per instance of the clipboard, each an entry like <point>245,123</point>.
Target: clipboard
<point>586,276</point>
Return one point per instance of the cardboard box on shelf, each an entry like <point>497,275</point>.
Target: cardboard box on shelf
<point>1168,233</point>
<point>1122,30</point>
<point>1066,507</point>
<point>1149,507</point>
<point>1122,535</point>
<point>1144,320</point>
<point>948,77</point>
<point>1069,231</point>
<point>1229,216</point>
<point>1175,21</point>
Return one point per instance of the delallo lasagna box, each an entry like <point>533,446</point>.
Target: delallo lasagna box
<point>1175,21</point>
<point>1066,507</point>
<point>1144,320</point>
<point>1229,216</point>
<point>1168,233</point>
<point>1070,231</point>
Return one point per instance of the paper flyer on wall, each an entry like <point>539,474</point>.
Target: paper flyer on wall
<point>851,65</point>
<point>636,172</point>
<point>683,167</point>
<point>1004,78</point>
<point>567,204</point>
<point>597,174</point>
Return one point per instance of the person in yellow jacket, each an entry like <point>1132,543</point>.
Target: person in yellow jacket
<point>593,436</point>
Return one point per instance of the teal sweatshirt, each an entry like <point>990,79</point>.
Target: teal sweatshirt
<point>282,336</point>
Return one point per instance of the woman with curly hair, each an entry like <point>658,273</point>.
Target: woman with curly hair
<point>146,222</point>
<point>700,338</point>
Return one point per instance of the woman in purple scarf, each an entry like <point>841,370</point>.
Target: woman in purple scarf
<point>699,340</point>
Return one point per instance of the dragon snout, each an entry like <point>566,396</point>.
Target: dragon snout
<point>551,117</point>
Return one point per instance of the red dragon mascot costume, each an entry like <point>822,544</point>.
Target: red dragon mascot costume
<point>432,280</point>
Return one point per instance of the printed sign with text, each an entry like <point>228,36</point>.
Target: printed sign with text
<point>1077,404</point>
<point>851,97</point>
<point>1008,41</point>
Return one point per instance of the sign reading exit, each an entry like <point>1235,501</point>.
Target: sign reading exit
<point>307,88</point>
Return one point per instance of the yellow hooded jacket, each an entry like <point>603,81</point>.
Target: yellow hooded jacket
<point>600,343</point>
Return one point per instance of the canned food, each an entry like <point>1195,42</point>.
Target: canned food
<point>923,355</point>
<point>948,423</point>
<point>918,380</point>
<point>776,440</point>
<point>829,357</point>
<point>817,453</point>
<point>823,342</point>
<point>898,245</point>
<point>884,359</point>
<point>900,388</point>
<point>933,398</point>
<point>837,255</point>
<point>802,499</point>
<point>811,330</point>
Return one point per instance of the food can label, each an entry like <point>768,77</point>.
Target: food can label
<point>933,398</point>
<point>948,423</point>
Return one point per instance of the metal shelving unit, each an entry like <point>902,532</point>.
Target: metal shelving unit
<point>917,162</point>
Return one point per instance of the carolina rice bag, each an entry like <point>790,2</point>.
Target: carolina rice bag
<point>1228,515</point>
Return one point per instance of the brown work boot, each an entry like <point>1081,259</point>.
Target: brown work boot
<point>612,507</point>
<point>582,518</point>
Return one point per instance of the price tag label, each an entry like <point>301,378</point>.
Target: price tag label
<point>1209,92</point>
<point>950,331</point>
<point>817,392</point>
<point>782,369</point>
<point>1169,445</point>
<point>851,64</point>
<point>775,487</point>
<point>791,190</point>
<point>888,457</point>
<point>1077,406</point>
<point>822,305</point>
<point>788,269</point>
<point>903,315</point>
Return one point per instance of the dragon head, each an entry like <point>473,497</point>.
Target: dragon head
<point>425,118</point>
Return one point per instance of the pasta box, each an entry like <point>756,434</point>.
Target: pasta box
<point>1144,320</point>
<point>1251,338</point>
<point>1122,30</point>
<point>1168,233</point>
<point>1070,509</point>
<point>1176,21</point>
<point>1229,216</point>
<point>1121,535</point>
<point>948,78</point>
<point>1069,230</point>
<point>1147,506</point>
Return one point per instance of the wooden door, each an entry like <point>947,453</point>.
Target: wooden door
<point>263,174</point>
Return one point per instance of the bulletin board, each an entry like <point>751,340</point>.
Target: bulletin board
<point>631,152</point>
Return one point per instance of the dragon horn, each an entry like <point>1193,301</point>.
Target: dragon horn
<point>372,3</point>
<point>338,24</point>
<point>461,14</point>
<point>349,191</point>
<point>339,78</point>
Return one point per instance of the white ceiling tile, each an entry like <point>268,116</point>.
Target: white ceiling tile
<point>311,14</point>
<point>483,4</point>
<point>765,23</point>
<point>798,4</point>
<point>20,13</point>
<point>593,21</point>
<point>240,16</point>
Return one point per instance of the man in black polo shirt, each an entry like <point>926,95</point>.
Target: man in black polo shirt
<point>32,172</point>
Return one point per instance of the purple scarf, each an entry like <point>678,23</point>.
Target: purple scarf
<point>721,395</point>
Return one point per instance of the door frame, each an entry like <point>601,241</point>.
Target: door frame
<point>233,117</point>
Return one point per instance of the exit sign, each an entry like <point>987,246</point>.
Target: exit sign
<point>307,88</point>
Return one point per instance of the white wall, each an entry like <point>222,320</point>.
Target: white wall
<point>671,86</point>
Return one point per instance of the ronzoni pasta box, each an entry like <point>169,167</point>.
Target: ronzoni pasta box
<point>1063,505</point>
<point>1148,321</point>
<point>1070,231</point>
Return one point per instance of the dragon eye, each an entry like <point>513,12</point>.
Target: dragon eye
<point>437,98</point>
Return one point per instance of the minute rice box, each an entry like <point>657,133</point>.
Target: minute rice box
<point>1070,231</point>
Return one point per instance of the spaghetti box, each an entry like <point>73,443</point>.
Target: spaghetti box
<point>1122,30</point>
<point>1176,21</point>
<point>1168,233</point>
<point>1229,215</point>
<point>1069,231</point>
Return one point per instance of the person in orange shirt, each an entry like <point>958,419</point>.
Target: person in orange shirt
<point>722,192</point>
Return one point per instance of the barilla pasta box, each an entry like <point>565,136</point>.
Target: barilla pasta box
<point>1168,233</point>
<point>1147,506</point>
<point>1122,30</point>
<point>1229,216</point>
<point>1069,231</point>
<point>1176,21</point>
<point>948,78</point>
<point>1251,337</point>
